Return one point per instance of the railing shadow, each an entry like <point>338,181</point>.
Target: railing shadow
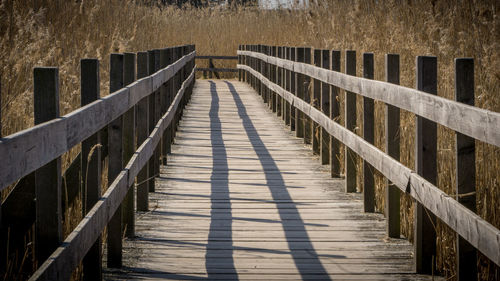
<point>219,182</point>
<point>279,191</point>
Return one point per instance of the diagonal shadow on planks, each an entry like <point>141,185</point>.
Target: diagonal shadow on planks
<point>243,199</point>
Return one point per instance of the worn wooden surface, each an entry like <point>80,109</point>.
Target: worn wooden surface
<point>242,198</point>
<point>480,233</point>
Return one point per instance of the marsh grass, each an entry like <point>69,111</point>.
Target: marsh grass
<point>60,33</point>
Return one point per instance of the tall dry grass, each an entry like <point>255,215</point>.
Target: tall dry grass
<point>60,33</point>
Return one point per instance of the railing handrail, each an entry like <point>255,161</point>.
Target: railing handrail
<point>23,152</point>
<point>216,57</point>
<point>477,231</point>
<point>68,255</point>
<point>482,124</point>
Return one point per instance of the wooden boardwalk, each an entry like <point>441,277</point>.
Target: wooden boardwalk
<point>242,198</point>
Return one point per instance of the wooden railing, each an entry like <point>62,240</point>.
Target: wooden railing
<point>145,112</point>
<point>211,67</point>
<point>302,86</point>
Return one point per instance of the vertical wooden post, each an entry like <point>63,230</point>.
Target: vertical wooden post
<point>350,124</point>
<point>239,62</point>
<point>392,121</point>
<point>129,146</point>
<point>287,87</point>
<point>274,73</point>
<point>335,115</point>
<point>115,149</point>
<point>426,166</point>
<point>307,98</point>
<point>142,133</point>
<point>325,108</point>
<point>369,136</point>
<point>293,89</point>
<point>151,122</point>
<point>48,223</point>
<point>299,87</point>
<point>466,168</point>
<point>315,102</point>
<point>157,114</point>
<point>91,170</point>
<point>169,97</point>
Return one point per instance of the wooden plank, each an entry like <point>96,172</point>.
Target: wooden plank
<point>91,165</point>
<point>115,164</point>
<point>48,223</point>
<point>481,124</point>
<point>466,168</point>
<point>481,234</point>
<point>128,210</point>
<point>217,57</point>
<point>299,124</point>
<point>308,92</point>
<point>293,89</point>
<point>392,139</point>
<point>426,166</point>
<point>317,230</point>
<point>350,124</point>
<point>369,136</point>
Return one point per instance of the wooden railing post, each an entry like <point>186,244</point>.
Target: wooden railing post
<point>299,87</point>
<point>260,67</point>
<point>115,164</point>
<point>157,115</point>
<point>151,122</point>
<point>335,115</point>
<point>287,87</point>
<point>392,135</point>
<point>48,223</point>
<point>426,166</point>
<point>129,145</point>
<point>307,97</point>
<point>274,73</point>
<point>167,135</point>
<point>293,89</point>
<point>91,165</point>
<point>369,136</point>
<point>239,62</point>
<point>142,108</point>
<point>350,124</point>
<point>315,102</point>
<point>466,168</point>
<point>325,108</point>
<point>279,82</point>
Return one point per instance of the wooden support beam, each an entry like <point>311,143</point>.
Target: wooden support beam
<point>335,115</point>
<point>115,164</point>
<point>129,60</point>
<point>299,87</point>
<point>151,122</point>
<point>293,89</point>
<point>426,166</point>
<point>392,136</point>
<point>316,103</point>
<point>369,136</point>
<point>307,97</point>
<point>91,166</point>
<point>350,124</point>
<point>48,223</point>
<point>466,168</point>
<point>157,116</point>
<point>142,126</point>
<point>325,108</point>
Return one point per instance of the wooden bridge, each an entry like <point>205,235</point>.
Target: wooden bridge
<point>228,180</point>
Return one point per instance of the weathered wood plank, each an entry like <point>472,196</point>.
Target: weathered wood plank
<point>481,124</point>
<point>474,229</point>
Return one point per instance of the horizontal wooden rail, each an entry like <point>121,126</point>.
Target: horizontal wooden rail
<point>61,134</point>
<point>475,122</point>
<point>218,57</point>
<point>60,265</point>
<point>218,69</point>
<point>478,232</point>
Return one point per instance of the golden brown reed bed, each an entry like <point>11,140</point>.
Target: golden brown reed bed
<point>60,33</point>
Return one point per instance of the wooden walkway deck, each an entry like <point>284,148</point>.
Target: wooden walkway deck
<point>242,198</point>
